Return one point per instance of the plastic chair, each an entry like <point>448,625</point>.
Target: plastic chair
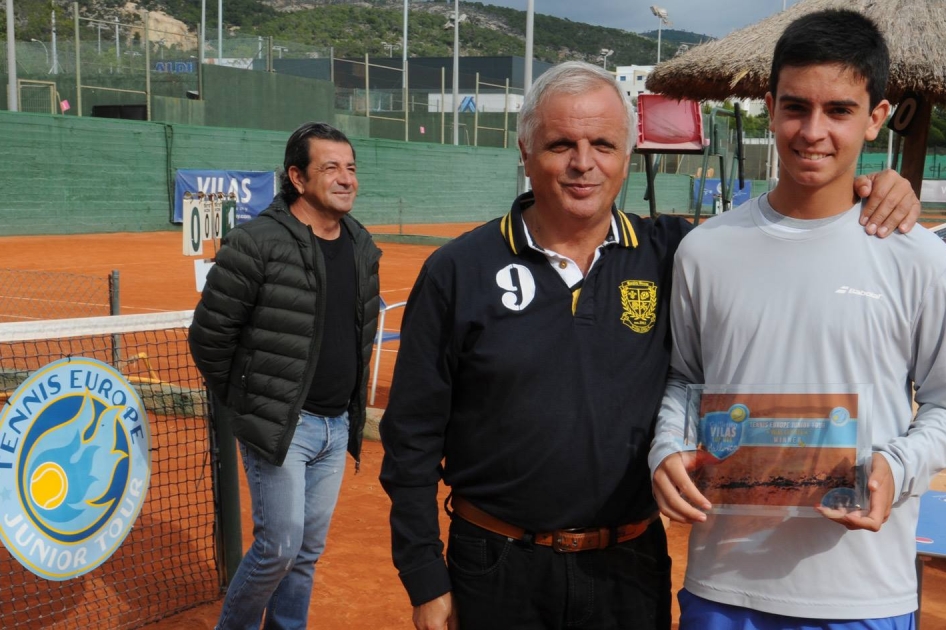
<point>666,125</point>
<point>379,339</point>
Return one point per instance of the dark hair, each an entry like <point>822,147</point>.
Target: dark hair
<point>837,36</point>
<point>297,153</point>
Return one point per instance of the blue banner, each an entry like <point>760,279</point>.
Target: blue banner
<point>254,190</point>
<point>714,188</point>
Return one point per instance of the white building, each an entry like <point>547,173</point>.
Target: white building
<point>632,80</point>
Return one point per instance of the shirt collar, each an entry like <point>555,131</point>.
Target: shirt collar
<point>515,234</point>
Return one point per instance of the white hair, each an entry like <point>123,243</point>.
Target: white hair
<point>571,77</point>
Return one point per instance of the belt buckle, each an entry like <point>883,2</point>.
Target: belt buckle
<point>565,540</point>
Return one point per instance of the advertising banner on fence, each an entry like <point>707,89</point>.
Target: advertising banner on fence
<point>254,190</point>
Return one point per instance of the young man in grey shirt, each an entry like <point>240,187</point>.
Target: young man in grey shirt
<point>787,290</point>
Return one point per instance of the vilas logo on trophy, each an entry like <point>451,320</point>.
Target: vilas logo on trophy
<point>75,463</point>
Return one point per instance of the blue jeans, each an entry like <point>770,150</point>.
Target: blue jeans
<point>292,508</point>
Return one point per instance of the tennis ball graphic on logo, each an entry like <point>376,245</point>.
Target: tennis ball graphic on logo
<point>738,413</point>
<point>48,485</point>
<point>839,416</point>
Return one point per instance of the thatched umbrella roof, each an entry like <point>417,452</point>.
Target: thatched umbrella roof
<point>738,64</point>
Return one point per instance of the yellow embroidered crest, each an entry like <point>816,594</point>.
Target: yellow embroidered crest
<point>639,299</point>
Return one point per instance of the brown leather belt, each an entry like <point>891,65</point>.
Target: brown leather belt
<point>562,540</point>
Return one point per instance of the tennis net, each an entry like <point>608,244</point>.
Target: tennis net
<point>168,562</point>
<point>40,295</point>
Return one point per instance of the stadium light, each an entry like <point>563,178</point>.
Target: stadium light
<point>605,53</point>
<point>661,14</point>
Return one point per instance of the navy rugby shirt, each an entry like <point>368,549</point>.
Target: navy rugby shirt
<point>535,404</point>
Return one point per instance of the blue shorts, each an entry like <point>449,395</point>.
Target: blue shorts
<point>697,613</point>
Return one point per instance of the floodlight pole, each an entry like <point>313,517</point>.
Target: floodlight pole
<point>605,53</point>
<point>11,61</point>
<point>456,72</point>
<point>530,21</point>
<point>661,15</point>
<point>659,24</point>
<point>404,54</point>
<point>55,68</point>
<point>220,30</point>
<point>203,20</point>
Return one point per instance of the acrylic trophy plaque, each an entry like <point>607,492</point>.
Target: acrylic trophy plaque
<point>754,449</point>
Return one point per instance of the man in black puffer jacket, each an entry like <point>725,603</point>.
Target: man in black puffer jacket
<point>283,335</point>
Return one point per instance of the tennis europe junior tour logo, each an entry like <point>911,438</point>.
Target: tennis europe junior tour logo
<point>75,463</point>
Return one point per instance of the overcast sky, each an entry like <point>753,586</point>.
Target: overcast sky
<point>708,17</point>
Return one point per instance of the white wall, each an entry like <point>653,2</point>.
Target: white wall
<point>632,79</point>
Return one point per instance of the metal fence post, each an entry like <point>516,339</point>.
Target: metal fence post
<point>506,117</point>
<point>147,42</point>
<point>114,294</point>
<point>407,136</point>
<point>227,488</point>
<point>476,112</point>
<point>114,308</point>
<point>200,64</point>
<point>443,103</point>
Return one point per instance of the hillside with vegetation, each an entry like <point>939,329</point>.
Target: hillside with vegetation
<point>673,36</point>
<point>354,28</point>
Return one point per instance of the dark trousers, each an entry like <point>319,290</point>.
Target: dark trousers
<point>500,584</point>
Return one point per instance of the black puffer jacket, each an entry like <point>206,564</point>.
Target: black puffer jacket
<point>257,330</point>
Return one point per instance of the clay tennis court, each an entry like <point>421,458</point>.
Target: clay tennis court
<point>356,585</point>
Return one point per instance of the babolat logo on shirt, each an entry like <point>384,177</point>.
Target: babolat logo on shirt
<point>75,462</point>
<point>639,299</point>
